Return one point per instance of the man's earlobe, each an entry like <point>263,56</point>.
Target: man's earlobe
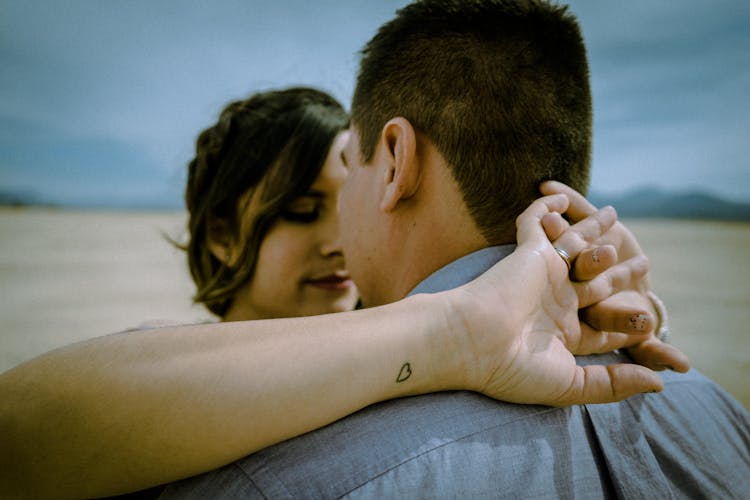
<point>403,173</point>
<point>392,195</point>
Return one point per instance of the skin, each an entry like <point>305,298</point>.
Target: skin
<point>301,269</point>
<point>651,352</point>
<point>386,221</point>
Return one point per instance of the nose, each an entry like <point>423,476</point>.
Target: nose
<point>331,249</point>
<point>330,243</point>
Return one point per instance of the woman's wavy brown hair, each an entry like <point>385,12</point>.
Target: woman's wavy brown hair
<point>263,152</point>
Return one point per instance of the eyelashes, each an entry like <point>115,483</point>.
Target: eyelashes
<point>305,209</point>
<point>302,217</point>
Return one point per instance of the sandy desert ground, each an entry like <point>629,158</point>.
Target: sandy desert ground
<point>70,275</point>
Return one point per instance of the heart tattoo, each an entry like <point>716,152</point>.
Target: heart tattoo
<point>404,374</point>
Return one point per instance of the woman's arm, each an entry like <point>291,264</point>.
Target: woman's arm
<point>132,410</point>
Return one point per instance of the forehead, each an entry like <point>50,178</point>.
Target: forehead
<point>351,154</point>
<point>333,173</point>
<point>352,143</point>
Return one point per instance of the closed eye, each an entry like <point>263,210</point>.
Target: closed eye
<point>305,217</point>
<point>305,209</point>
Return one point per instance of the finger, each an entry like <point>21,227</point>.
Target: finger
<point>628,311</point>
<point>586,232</point>
<point>554,225</point>
<point>659,355</point>
<point>604,317</point>
<point>528,226</point>
<point>617,278</point>
<point>607,384</point>
<point>579,208</point>
<point>593,261</point>
<point>595,341</point>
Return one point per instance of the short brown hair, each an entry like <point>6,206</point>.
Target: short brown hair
<point>500,87</point>
<point>271,146</point>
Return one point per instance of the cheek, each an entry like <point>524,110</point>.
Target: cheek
<point>281,260</point>
<point>343,204</point>
<point>351,204</point>
<point>344,212</point>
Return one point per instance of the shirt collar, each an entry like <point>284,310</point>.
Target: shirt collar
<point>463,270</point>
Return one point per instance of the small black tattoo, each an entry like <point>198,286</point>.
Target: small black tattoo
<point>638,322</point>
<point>404,374</point>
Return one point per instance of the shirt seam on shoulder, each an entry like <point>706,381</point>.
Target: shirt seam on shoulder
<point>442,445</point>
<point>255,484</point>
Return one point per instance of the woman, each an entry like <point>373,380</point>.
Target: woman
<point>125,412</point>
<point>261,195</point>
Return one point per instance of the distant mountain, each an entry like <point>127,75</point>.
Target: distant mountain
<point>98,201</point>
<point>19,199</point>
<point>647,202</point>
<point>650,202</point>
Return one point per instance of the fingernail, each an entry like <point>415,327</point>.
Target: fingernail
<point>667,367</point>
<point>638,322</point>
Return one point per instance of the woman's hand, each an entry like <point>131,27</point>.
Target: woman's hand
<point>620,244</point>
<point>523,349</point>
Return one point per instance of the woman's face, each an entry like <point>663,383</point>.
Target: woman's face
<point>300,269</point>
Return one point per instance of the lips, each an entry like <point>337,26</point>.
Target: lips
<point>339,280</point>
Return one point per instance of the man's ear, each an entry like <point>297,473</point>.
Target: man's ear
<point>403,173</point>
<point>218,239</point>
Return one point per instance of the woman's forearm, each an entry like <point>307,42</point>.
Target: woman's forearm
<point>132,410</point>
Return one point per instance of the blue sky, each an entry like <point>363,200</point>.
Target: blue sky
<point>101,101</point>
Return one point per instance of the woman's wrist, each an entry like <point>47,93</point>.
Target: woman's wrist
<point>454,358</point>
<point>433,359</point>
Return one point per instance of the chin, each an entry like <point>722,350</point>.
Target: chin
<point>316,304</point>
<point>342,305</point>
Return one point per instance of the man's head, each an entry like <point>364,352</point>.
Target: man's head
<point>499,86</point>
<point>498,89</point>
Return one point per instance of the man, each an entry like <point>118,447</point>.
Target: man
<point>445,91</point>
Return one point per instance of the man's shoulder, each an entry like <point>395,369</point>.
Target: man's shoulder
<point>402,443</point>
<point>457,441</point>
<point>386,436</point>
<point>693,389</point>
<point>694,399</point>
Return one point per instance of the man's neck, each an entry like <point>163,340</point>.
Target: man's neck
<point>432,234</point>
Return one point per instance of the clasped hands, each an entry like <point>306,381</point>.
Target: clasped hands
<point>524,351</point>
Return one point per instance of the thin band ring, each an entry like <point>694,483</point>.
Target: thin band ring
<point>565,256</point>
